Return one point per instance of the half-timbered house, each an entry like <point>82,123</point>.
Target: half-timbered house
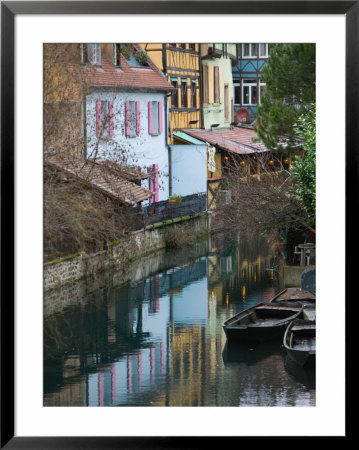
<point>247,80</point>
<point>181,65</point>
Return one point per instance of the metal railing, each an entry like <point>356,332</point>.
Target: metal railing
<point>165,210</point>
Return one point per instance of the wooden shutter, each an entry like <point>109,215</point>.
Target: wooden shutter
<point>127,117</point>
<point>98,119</point>
<point>111,118</point>
<point>216,84</point>
<point>220,84</point>
<point>210,84</point>
<point>150,117</point>
<point>138,118</point>
<point>205,84</point>
<point>160,118</point>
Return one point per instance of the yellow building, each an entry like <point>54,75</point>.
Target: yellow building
<point>181,65</point>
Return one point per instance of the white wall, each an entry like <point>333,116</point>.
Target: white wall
<point>142,150</point>
<point>189,172</point>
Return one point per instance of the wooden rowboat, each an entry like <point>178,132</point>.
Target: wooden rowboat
<point>291,296</point>
<point>299,342</point>
<point>260,323</point>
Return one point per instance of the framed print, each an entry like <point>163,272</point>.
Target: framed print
<point>115,158</point>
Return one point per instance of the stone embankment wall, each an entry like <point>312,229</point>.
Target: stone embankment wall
<point>120,253</point>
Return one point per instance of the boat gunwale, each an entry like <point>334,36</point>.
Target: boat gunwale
<point>287,345</point>
<point>231,322</point>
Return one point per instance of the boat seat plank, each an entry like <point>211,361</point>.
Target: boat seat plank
<point>303,327</point>
<point>279,308</point>
<point>309,314</point>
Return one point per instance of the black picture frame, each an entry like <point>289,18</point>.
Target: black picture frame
<point>8,12</point>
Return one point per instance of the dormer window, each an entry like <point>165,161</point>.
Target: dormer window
<point>117,54</point>
<point>94,54</point>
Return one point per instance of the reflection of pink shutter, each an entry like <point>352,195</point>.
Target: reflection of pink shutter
<point>160,118</point>
<point>98,118</point>
<point>101,388</point>
<point>110,112</point>
<point>113,384</point>
<point>156,184</point>
<point>138,124</point>
<point>150,117</point>
<point>127,117</point>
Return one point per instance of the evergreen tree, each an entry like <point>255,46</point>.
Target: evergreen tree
<point>290,91</point>
<point>303,167</point>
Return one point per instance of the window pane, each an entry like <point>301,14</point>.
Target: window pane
<point>254,95</point>
<point>249,82</point>
<point>245,49</point>
<point>246,95</point>
<point>174,95</point>
<point>262,89</point>
<point>184,93</point>
<point>237,95</point>
<point>155,117</point>
<point>262,49</point>
<point>105,118</point>
<point>253,49</point>
<point>193,95</point>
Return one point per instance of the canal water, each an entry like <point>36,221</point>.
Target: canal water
<point>158,340</point>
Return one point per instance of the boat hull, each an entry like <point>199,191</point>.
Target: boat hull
<point>299,342</point>
<point>302,358</point>
<point>255,334</point>
<point>260,323</point>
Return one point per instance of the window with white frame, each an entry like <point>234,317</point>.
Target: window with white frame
<point>105,118</point>
<point>154,117</point>
<point>237,93</point>
<point>263,50</point>
<point>94,54</point>
<point>249,92</point>
<point>249,51</point>
<point>262,88</point>
<point>132,118</point>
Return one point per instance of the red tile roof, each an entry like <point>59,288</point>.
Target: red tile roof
<point>126,76</point>
<point>111,179</point>
<point>235,140</point>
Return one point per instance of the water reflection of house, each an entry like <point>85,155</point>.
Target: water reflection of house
<point>141,336</point>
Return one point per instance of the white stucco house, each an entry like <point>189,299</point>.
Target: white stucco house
<point>125,113</point>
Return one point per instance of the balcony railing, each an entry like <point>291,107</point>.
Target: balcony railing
<point>165,210</point>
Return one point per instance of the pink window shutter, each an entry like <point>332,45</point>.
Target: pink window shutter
<point>160,118</point>
<point>127,117</point>
<point>98,119</point>
<point>150,117</point>
<point>111,114</point>
<point>138,123</point>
